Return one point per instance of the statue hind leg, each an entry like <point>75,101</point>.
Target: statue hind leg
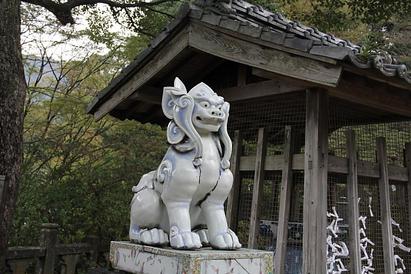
<point>146,214</point>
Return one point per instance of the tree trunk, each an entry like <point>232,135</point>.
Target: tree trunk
<point>12,96</point>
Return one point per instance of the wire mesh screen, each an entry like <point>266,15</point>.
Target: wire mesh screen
<point>368,124</point>
<point>270,199</point>
<point>273,114</point>
<point>369,206</point>
<point>337,217</point>
<point>244,206</point>
<point>294,256</point>
<point>401,225</point>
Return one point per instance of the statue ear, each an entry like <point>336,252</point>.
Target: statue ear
<point>178,84</point>
<point>225,138</point>
<point>171,95</point>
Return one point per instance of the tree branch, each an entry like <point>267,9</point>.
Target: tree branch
<point>63,11</point>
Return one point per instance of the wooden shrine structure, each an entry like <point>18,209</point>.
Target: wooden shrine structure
<point>310,119</point>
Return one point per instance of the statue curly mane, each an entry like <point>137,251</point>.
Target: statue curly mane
<point>178,105</point>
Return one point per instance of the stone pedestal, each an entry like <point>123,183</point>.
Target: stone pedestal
<point>135,258</point>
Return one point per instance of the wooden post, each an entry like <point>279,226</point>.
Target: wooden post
<point>241,75</point>
<point>315,182</point>
<point>70,264</point>
<point>408,164</point>
<point>232,202</point>
<point>385,204</point>
<point>38,269</point>
<point>94,243</point>
<point>284,207</point>
<point>2,179</point>
<point>258,187</point>
<point>353,207</point>
<point>49,241</point>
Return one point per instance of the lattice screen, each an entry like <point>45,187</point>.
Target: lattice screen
<point>274,114</point>
<point>368,124</point>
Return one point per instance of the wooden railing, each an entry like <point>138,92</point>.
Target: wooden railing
<point>50,256</point>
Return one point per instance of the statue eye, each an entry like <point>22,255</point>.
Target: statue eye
<point>205,104</point>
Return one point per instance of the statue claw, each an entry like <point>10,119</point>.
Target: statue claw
<point>203,234</point>
<point>153,236</point>
<point>227,240</point>
<point>184,239</point>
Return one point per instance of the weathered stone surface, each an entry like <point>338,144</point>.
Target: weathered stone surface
<point>135,258</point>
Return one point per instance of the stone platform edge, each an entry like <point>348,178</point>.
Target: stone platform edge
<point>191,259</point>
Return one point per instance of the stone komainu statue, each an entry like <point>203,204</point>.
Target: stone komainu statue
<point>184,198</point>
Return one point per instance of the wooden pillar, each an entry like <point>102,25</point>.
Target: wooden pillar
<point>94,243</point>
<point>353,207</point>
<point>70,264</point>
<point>408,164</point>
<point>2,182</point>
<point>232,201</point>
<point>258,188</point>
<point>315,182</point>
<point>49,241</point>
<point>284,207</point>
<point>385,205</point>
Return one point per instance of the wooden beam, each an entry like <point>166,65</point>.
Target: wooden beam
<point>275,76</point>
<point>149,94</point>
<point>374,95</point>
<point>315,183</point>
<point>269,44</point>
<point>153,66</point>
<point>353,207</point>
<point>376,75</point>
<point>258,187</point>
<point>241,51</point>
<point>241,92</point>
<point>258,90</point>
<point>359,90</point>
<point>232,201</point>
<point>285,200</point>
<point>242,75</point>
<point>335,165</point>
<point>408,164</point>
<point>385,205</point>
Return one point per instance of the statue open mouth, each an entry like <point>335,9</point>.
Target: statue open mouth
<point>210,120</point>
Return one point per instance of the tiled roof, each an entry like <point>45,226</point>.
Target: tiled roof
<point>254,20</point>
<point>257,22</point>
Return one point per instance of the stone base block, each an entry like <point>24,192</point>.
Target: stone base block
<point>135,258</point>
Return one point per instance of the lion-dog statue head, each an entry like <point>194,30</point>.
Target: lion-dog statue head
<point>192,113</point>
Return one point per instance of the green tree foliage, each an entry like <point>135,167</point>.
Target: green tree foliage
<point>78,172</point>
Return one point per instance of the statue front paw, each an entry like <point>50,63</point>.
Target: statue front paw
<point>203,234</point>
<point>151,237</point>
<point>227,240</point>
<point>184,239</point>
